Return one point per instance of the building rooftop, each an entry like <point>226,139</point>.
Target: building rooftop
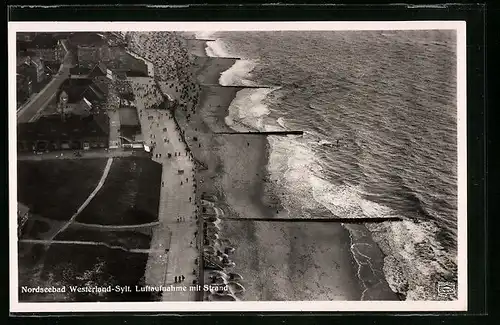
<point>80,71</point>
<point>40,41</point>
<point>79,88</point>
<point>87,39</point>
<point>128,116</point>
<point>102,83</point>
<point>25,69</point>
<point>97,70</point>
<point>52,67</point>
<point>53,127</point>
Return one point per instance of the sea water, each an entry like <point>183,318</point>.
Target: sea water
<point>379,114</point>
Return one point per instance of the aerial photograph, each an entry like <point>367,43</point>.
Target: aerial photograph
<point>237,166</point>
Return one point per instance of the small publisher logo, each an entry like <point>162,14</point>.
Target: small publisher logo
<point>447,290</point>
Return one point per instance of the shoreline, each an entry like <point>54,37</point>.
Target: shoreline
<point>272,257</point>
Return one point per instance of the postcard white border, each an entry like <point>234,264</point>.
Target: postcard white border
<point>397,306</point>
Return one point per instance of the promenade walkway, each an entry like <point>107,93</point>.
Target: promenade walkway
<point>114,128</point>
<point>175,201</point>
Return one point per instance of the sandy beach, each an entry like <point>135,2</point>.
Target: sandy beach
<point>196,47</point>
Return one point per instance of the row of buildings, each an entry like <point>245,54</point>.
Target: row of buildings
<point>108,49</point>
<point>39,56</point>
<point>76,120</point>
<point>78,117</point>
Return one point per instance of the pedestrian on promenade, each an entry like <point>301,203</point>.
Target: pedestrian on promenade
<point>183,277</point>
<point>175,279</point>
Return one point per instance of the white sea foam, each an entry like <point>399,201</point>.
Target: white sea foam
<point>324,142</point>
<point>216,48</point>
<point>281,122</point>
<point>204,34</point>
<point>289,168</point>
<point>238,74</point>
<point>415,261</point>
<point>248,108</point>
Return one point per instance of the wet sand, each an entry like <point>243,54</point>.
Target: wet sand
<point>293,261</point>
<point>209,69</point>
<point>196,47</point>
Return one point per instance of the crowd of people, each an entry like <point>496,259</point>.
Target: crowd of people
<point>172,61</point>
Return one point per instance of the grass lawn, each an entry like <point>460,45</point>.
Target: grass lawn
<point>36,228</point>
<point>130,195</point>
<point>56,188</point>
<point>78,265</point>
<point>126,239</point>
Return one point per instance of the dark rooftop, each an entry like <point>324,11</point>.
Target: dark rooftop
<point>53,67</point>
<point>79,88</point>
<point>52,127</point>
<point>25,69</point>
<point>97,70</point>
<point>102,84</point>
<point>40,41</point>
<point>128,116</point>
<point>87,38</point>
<point>80,71</point>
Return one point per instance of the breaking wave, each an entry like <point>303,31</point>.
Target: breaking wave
<point>239,74</point>
<point>248,109</point>
<point>216,48</point>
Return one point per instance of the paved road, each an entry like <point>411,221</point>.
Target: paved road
<point>91,243</point>
<point>117,227</point>
<point>91,154</point>
<point>114,127</point>
<point>35,106</point>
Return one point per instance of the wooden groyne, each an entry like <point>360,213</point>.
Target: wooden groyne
<point>223,58</point>
<point>336,220</point>
<point>263,133</point>
<point>238,87</point>
<point>200,39</point>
